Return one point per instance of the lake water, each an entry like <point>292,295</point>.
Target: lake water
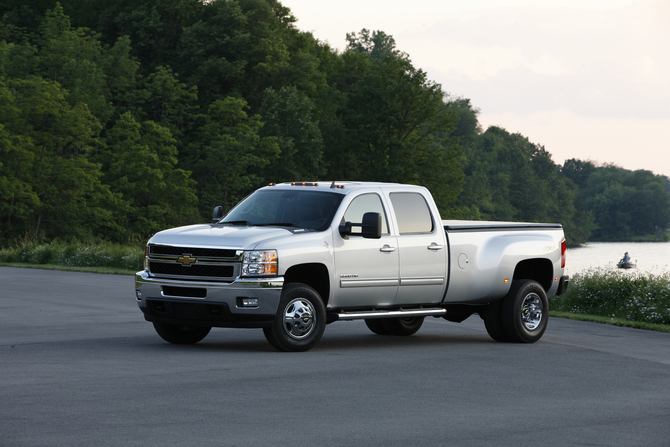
<point>650,257</point>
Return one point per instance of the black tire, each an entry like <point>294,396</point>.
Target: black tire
<point>525,311</point>
<point>402,326</point>
<point>300,319</point>
<point>493,322</point>
<point>181,335</point>
<point>376,326</point>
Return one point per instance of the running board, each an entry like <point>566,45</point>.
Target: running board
<point>401,313</point>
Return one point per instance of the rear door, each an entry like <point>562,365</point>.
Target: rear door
<point>422,250</point>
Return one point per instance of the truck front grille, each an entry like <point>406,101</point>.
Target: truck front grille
<point>194,263</point>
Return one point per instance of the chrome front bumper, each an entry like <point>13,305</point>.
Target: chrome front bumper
<point>206,303</point>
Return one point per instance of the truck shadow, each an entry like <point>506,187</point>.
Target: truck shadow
<point>341,342</point>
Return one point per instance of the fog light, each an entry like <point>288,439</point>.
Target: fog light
<point>249,302</point>
<point>139,295</point>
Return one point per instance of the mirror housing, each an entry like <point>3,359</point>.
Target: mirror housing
<point>371,227</point>
<point>217,215</point>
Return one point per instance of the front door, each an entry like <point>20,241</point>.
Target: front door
<point>366,270</point>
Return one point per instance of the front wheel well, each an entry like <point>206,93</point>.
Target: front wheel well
<point>540,270</point>
<point>313,275</point>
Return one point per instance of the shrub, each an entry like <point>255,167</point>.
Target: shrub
<point>632,296</point>
<point>76,255</point>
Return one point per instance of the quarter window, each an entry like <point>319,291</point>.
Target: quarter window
<point>412,213</point>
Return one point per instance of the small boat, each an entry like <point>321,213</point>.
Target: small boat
<point>626,265</point>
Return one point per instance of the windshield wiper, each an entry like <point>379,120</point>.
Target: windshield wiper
<point>277,224</point>
<point>236,222</point>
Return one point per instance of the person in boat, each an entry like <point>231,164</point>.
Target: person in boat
<point>626,258</point>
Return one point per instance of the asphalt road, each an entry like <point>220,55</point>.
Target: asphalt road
<point>79,366</point>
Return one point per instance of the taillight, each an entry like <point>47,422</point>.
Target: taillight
<point>563,250</point>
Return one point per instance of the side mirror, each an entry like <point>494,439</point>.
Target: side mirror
<point>217,215</point>
<point>371,227</point>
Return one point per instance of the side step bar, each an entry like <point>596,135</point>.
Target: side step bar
<point>400,313</point>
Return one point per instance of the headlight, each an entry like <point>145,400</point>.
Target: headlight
<point>256,263</point>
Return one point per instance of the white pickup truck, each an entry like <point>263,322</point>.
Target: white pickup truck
<point>293,257</point>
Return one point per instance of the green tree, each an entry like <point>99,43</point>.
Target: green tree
<point>18,199</point>
<point>578,171</point>
<point>140,167</point>
<point>73,58</point>
<point>377,44</point>
<point>230,154</point>
<point>509,178</point>
<point>626,204</point>
<point>122,77</point>
<point>288,115</point>
<point>155,28</point>
<point>391,115</point>
<point>47,145</point>
<point>168,102</point>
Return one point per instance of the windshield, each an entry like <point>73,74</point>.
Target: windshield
<point>312,210</point>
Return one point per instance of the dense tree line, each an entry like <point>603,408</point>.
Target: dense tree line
<point>122,118</point>
<point>624,204</point>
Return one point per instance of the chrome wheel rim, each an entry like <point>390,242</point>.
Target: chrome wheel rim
<point>531,311</point>
<point>299,318</point>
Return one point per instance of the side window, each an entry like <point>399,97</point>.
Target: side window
<point>366,203</point>
<point>412,213</point>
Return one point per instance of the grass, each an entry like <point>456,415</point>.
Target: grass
<point>65,268</point>
<point>612,321</point>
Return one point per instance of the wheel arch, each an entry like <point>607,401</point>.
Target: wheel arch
<point>538,269</point>
<point>314,275</point>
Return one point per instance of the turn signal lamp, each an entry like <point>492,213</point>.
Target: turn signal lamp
<point>146,259</point>
<point>256,263</point>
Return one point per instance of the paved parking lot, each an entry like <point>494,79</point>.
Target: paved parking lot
<point>80,366</point>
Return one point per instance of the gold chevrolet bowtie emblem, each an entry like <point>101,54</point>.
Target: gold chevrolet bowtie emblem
<point>186,260</point>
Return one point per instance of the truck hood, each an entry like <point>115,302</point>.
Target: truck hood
<point>219,236</point>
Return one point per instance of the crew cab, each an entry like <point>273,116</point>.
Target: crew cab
<point>293,257</point>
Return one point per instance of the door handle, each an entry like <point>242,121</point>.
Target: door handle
<point>387,249</point>
<point>435,247</point>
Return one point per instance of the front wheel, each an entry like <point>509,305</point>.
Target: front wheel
<point>525,311</point>
<point>181,335</point>
<point>300,319</point>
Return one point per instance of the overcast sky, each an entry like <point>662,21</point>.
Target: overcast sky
<point>586,79</point>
